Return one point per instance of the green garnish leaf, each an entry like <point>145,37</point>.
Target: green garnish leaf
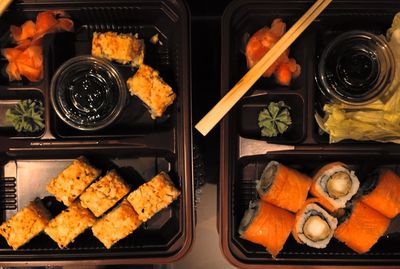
<point>26,116</point>
<point>275,119</point>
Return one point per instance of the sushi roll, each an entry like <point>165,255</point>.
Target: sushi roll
<point>267,225</point>
<point>335,184</point>
<point>105,193</point>
<point>361,227</point>
<point>122,48</point>
<point>73,180</point>
<point>314,226</point>
<point>116,225</point>
<point>153,196</point>
<point>382,193</point>
<point>70,223</point>
<point>26,224</point>
<point>283,187</point>
<point>148,85</point>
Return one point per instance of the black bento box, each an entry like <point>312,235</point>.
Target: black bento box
<point>238,173</point>
<point>136,145</point>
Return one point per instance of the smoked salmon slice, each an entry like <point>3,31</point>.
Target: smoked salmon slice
<point>283,186</point>
<point>362,229</point>
<point>267,225</point>
<point>385,197</point>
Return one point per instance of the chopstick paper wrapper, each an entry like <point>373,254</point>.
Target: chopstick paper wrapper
<point>250,147</point>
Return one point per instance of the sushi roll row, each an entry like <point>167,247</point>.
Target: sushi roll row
<point>314,210</point>
<point>89,205</point>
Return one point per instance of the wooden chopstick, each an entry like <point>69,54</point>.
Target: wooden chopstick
<point>233,96</point>
<point>4,5</point>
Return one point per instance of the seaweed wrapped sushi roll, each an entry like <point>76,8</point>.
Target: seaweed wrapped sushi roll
<point>334,184</point>
<point>314,226</point>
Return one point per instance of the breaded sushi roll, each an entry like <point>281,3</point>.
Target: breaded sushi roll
<point>70,223</point>
<point>335,184</point>
<point>362,227</point>
<point>314,226</point>
<point>153,196</point>
<point>267,225</point>
<point>25,225</point>
<point>147,84</point>
<point>122,48</point>
<point>71,182</point>
<point>116,225</point>
<point>283,186</point>
<point>105,193</point>
<point>383,193</point>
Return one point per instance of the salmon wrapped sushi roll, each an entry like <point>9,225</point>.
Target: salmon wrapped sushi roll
<point>362,227</point>
<point>314,226</point>
<point>334,184</point>
<point>383,194</point>
<point>267,225</point>
<point>283,186</point>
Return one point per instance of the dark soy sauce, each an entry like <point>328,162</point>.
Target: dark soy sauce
<point>89,94</point>
<point>353,72</point>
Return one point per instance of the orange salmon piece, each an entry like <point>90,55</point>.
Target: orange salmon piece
<point>385,198</point>
<point>270,227</point>
<point>288,190</point>
<point>363,228</point>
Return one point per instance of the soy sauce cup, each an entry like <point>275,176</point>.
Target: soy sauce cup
<point>356,68</point>
<point>88,93</point>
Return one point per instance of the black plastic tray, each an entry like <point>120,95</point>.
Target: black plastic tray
<point>137,145</point>
<point>238,173</point>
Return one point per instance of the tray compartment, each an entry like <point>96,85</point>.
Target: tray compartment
<point>326,30</point>
<point>245,23</point>
<point>249,170</point>
<point>9,98</point>
<point>163,56</point>
<point>27,176</point>
<point>251,106</point>
<point>6,41</point>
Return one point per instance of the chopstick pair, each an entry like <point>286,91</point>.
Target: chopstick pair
<point>4,5</point>
<point>233,96</point>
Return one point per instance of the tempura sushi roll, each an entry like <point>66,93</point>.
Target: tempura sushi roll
<point>267,225</point>
<point>314,226</point>
<point>383,193</point>
<point>122,48</point>
<point>70,223</point>
<point>116,225</point>
<point>73,180</point>
<point>25,225</point>
<point>105,193</point>
<point>335,184</point>
<point>153,196</point>
<point>283,186</point>
<point>155,93</point>
<point>361,227</point>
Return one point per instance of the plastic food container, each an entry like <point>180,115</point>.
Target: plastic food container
<point>134,144</point>
<point>88,93</point>
<point>356,68</point>
<point>238,173</point>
